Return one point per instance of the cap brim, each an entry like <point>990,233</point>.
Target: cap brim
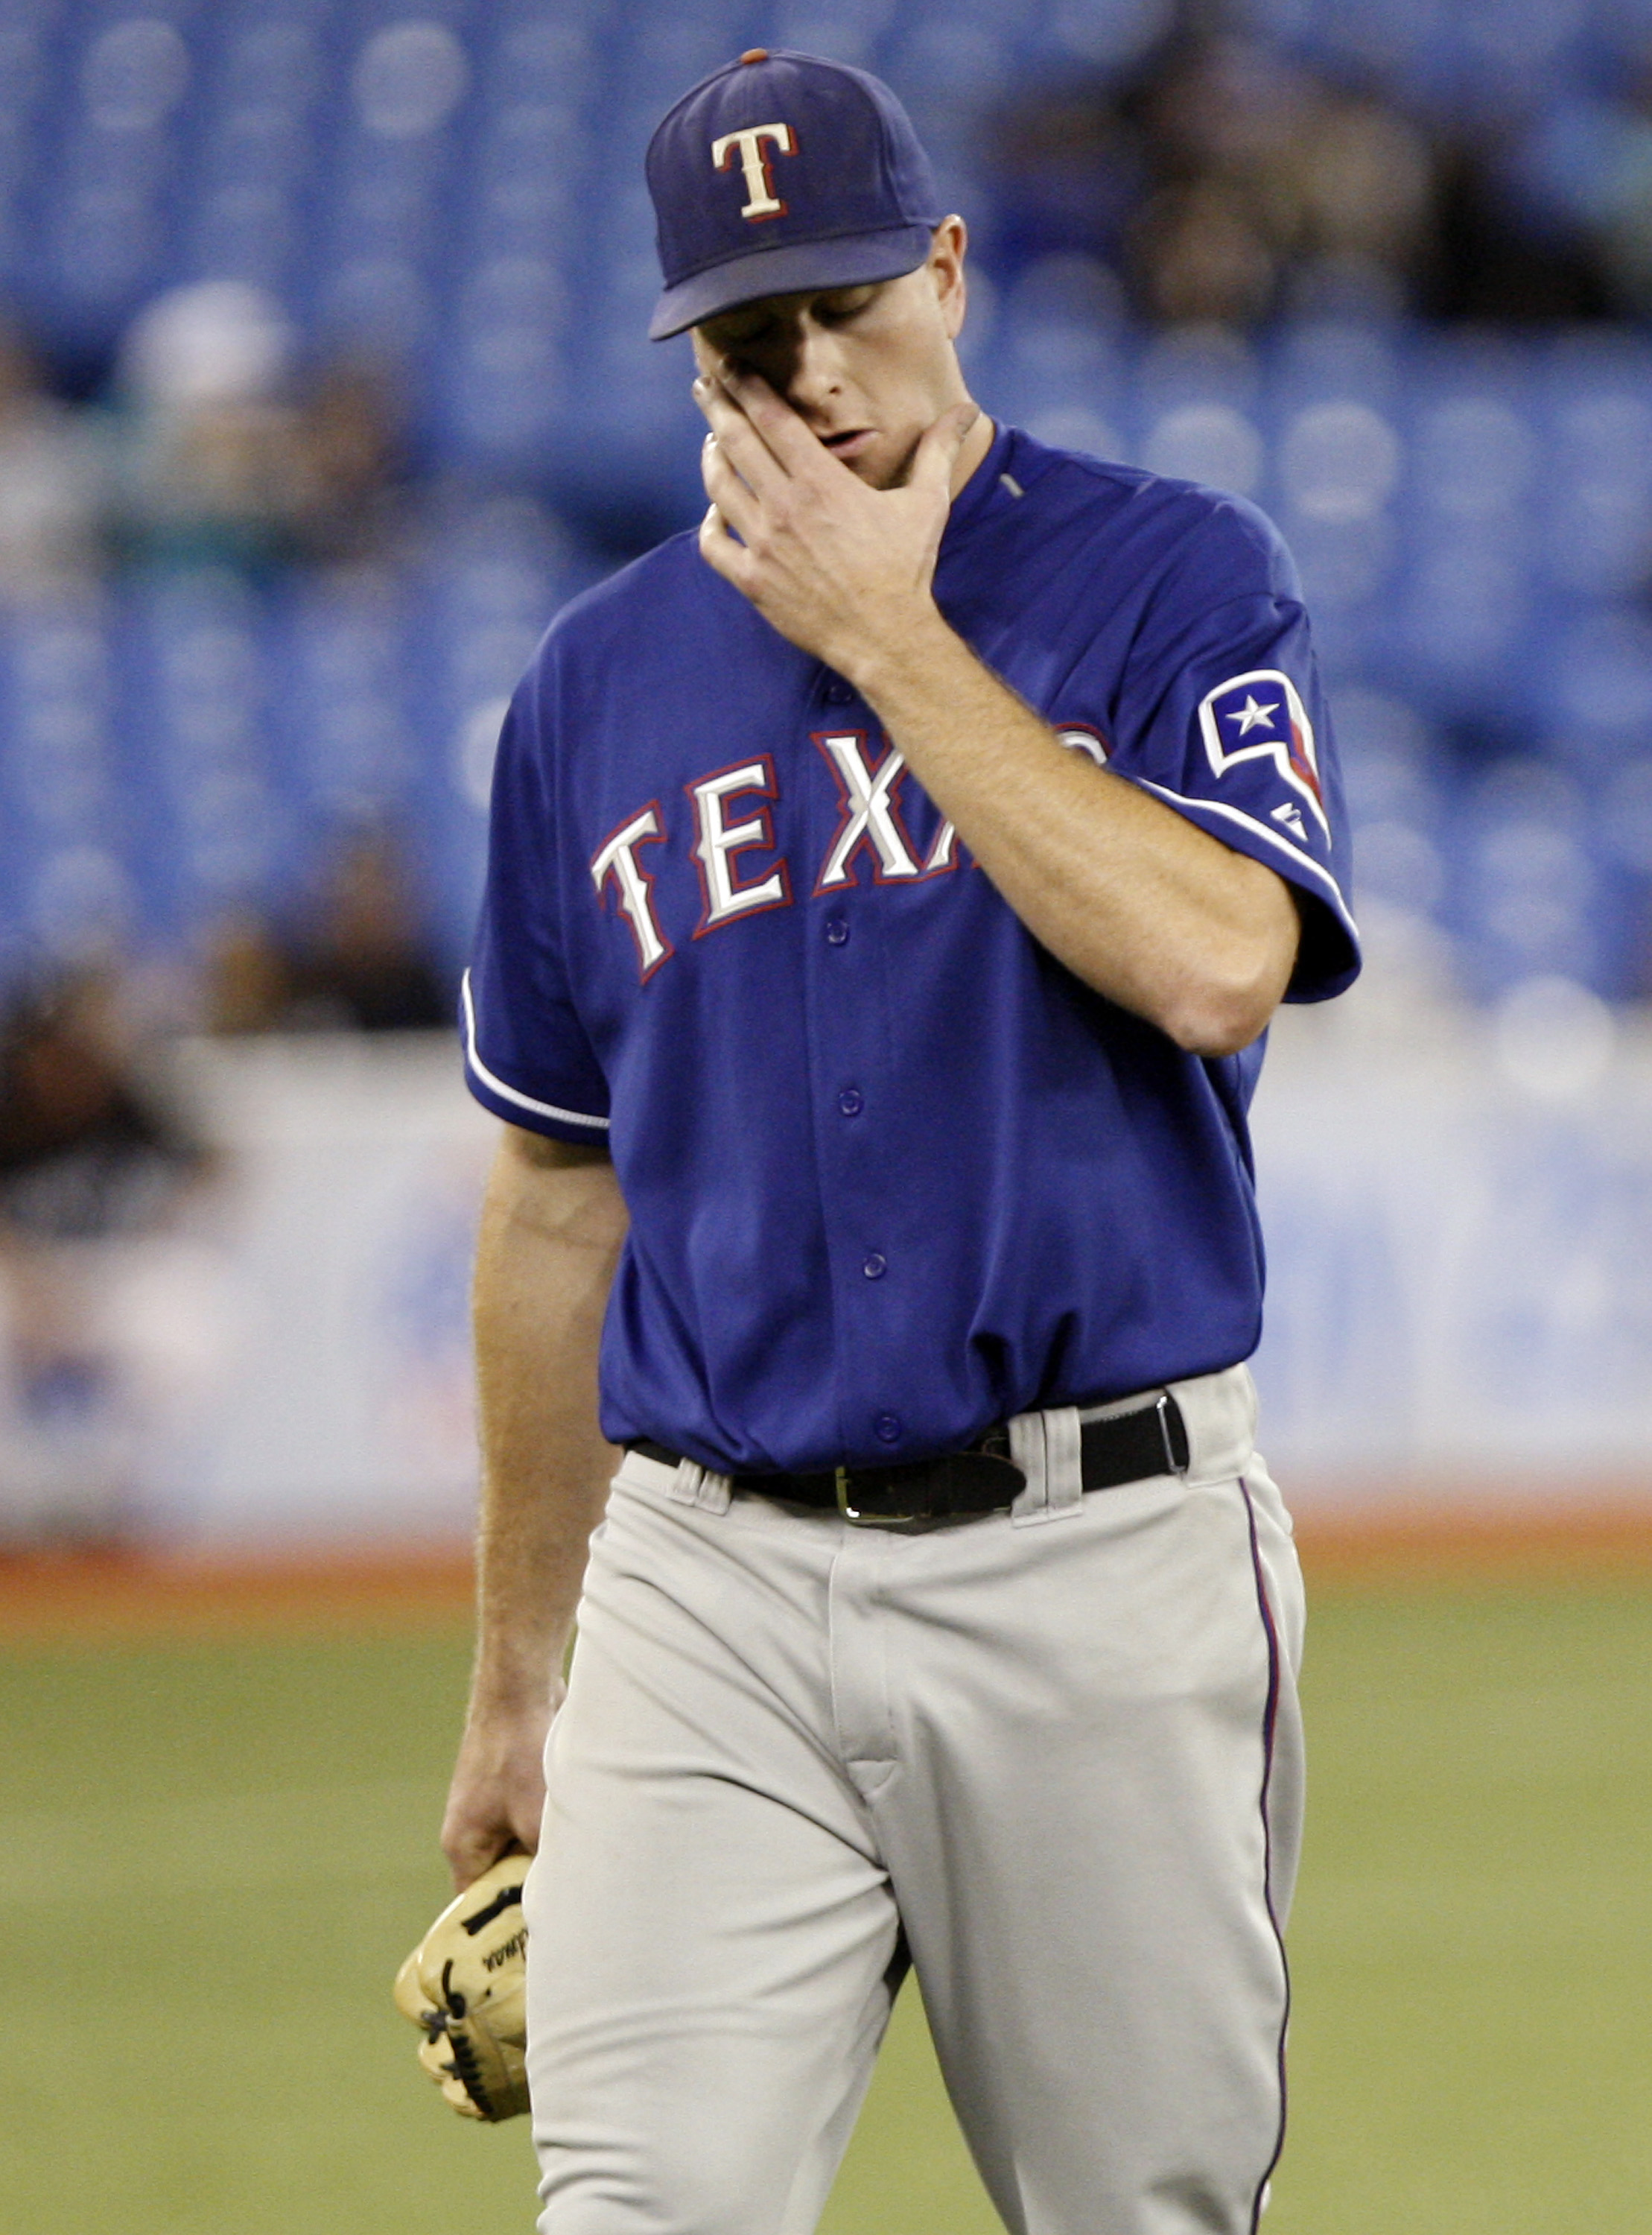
<point>857,261</point>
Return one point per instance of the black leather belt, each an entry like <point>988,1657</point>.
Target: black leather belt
<point>1124,1447</point>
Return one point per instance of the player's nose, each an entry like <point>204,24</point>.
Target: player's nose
<point>814,371</point>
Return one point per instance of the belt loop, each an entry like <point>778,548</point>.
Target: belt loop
<point>692,1484</point>
<point>1048,1448</point>
<point>1027,1449</point>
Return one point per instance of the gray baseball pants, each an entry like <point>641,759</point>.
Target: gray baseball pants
<point>1060,1748</point>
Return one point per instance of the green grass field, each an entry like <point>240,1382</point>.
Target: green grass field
<point>212,1858</point>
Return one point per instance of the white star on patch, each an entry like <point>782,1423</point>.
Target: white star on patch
<point>1250,716</point>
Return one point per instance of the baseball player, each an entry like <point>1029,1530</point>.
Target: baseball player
<point>890,886</point>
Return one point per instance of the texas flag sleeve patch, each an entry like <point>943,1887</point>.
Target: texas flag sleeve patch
<point>1260,715</point>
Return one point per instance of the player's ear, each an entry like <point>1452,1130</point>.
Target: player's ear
<point>948,244</point>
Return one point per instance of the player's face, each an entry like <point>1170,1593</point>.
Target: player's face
<point>866,369</point>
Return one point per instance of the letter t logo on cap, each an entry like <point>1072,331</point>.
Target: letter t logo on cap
<point>762,201</point>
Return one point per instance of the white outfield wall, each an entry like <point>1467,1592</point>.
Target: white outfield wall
<point>1460,1304</point>
<point>1458,1217</point>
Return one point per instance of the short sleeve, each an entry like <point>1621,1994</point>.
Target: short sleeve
<point>1221,715</point>
<point>527,1056</point>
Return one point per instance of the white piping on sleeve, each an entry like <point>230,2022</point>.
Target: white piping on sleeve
<point>1293,854</point>
<point>510,1093</point>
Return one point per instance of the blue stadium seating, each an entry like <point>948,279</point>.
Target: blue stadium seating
<point>457,182</point>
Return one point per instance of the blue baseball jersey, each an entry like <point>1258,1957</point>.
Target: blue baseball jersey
<point>893,1172</point>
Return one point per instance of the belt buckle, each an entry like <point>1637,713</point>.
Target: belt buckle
<point>1172,1429</point>
<point>853,1514</point>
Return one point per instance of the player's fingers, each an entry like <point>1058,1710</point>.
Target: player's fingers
<point>470,1851</point>
<point>728,492</point>
<point>718,547</point>
<point>741,442</point>
<point>475,1833</point>
<point>524,1830</point>
<point>783,432</point>
<point>467,1862</point>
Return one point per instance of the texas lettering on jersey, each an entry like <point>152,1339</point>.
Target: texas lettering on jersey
<point>869,828</point>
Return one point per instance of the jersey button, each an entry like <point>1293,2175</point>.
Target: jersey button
<point>876,1265</point>
<point>886,1428</point>
<point>837,693</point>
<point>836,930</point>
<point>852,1102</point>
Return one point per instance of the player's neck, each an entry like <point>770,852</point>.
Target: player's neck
<point>975,447</point>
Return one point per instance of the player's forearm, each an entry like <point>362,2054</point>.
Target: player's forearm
<point>1134,899</point>
<point>551,1232</point>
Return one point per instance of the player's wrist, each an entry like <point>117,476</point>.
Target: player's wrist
<point>518,1677</point>
<point>908,644</point>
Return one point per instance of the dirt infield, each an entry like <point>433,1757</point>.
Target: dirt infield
<point>100,1594</point>
<point>1450,1542</point>
<point>111,1594</point>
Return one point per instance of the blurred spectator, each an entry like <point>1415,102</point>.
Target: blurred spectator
<point>350,464</point>
<point>95,1167</point>
<point>1227,183</point>
<point>1268,184</point>
<point>1617,200</point>
<point>359,965</point>
<point>89,1145</point>
<point>1574,179</point>
<point>53,490</point>
<point>1500,259</point>
<point>210,442</point>
<point>362,963</point>
<point>228,461</point>
<point>248,976</point>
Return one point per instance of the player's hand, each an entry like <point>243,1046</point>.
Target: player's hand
<point>497,1797</point>
<point>842,569</point>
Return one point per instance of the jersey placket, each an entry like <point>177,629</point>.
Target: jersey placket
<point>852,1090</point>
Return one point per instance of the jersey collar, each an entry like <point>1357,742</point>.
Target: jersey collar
<point>982,486</point>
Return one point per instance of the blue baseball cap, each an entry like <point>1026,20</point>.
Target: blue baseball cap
<point>779,173</point>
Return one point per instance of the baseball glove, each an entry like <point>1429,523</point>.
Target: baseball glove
<point>463,1987</point>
